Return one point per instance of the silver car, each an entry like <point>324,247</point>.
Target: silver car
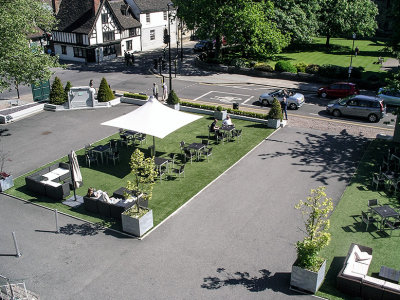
<point>372,108</point>
<point>389,97</point>
<point>294,101</point>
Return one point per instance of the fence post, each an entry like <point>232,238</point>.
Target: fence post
<point>18,254</point>
<point>57,228</point>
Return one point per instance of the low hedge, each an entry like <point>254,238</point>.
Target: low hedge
<point>136,96</point>
<point>229,110</point>
<point>285,66</point>
<point>264,67</point>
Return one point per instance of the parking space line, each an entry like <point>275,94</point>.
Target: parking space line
<point>202,95</point>
<point>248,99</point>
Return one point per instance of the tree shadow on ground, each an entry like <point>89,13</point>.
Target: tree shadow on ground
<point>325,155</point>
<point>279,282</point>
<point>85,229</point>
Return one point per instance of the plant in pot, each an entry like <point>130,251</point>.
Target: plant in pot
<point>275,114</point>
<point>6,180</point>
<point>138,220</point>
<point>220,113</point>
<point>308,272</point>
<point>173,100</point>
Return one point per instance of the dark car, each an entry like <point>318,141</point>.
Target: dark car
<point>372,108</point>
<point>338,90</point>
<point>203,46</point>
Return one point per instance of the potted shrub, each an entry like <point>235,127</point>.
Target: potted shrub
<point>173,100</point>
<point>308,272</point>
<point>275,114</point>
<point>138,220</point>
<point>220,113</point>
<point>57,95</point>
<point>6,180</point>
<point>105,93</point>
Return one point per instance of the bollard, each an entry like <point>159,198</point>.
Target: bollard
<point>16,245</point>
<point>57,228</point>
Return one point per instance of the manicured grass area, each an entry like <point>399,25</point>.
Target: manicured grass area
<point>347,228</point>
<point>170,194</point>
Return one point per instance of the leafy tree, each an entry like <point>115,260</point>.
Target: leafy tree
<point>394,19</point>
<point>298,18</point>
<point>342,17</point>
<point>57,95</point>
<point>105,93</point>
<point>67,89</point>
<point>20,62</point>
<point>315,209</point>
<point>172,98</point>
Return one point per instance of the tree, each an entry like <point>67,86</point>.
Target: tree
<point>342,17</point>
<point>394,20</point>
<point>20,62</point>
<point>105,93</point>
<point>57,95</point>
<point>298,18</point>
<point>315,210</point>
<point>172,98</point>
<point>67,89</point>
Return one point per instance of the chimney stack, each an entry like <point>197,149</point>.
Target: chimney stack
<point>96,5</point>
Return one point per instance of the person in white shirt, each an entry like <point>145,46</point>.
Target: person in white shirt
<point>227,121</point>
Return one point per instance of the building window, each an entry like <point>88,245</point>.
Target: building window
<point>165,15</point>
<point>152,34</point>
<point>79,38</point>
<point>132,32</point>
<point>147,18</point>
<point>79,52</point>
<point>128,45</point>
<point>108,36</point>
<point>63,49</point>
<point>109,50</point>
<point>104,18</point>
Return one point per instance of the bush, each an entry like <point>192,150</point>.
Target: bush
<point>57,95</point>
<point>264,67</point>
<point>312,69</point>
<point>67,89</point>
<point>136,96</point>
<point>105,93</point>
<point>238,63</point>
<point>172,98</point>
<point>219,108</point>
<point>275,111</point>
<point>357,72</point>
<point>301,67</point>
<point>333,71</point>
<point>285,66</point>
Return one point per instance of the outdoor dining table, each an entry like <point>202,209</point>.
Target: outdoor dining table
<point>160,161</point>
<point>100,149</point>
<point>228,129</point>
<point>197,147</point>
<point>385,211</point>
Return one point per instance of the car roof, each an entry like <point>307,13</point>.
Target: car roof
<point>343,82</point>
<point>365,97</point>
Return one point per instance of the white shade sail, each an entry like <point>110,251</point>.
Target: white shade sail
<point>76,171</point>
<point>153,118</point>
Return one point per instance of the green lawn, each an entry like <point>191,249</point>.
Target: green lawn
<point>346,226</point>
<point>169,194</point>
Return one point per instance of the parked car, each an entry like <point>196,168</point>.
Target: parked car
<point>338,90</point>
<point>389,96</point>
<point>203,45</point>
<point>294,101</point>
<point>372,108</point>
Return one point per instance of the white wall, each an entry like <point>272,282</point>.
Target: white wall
<point>136,47</point>
<point>70,54</point>
<point>158,24</point>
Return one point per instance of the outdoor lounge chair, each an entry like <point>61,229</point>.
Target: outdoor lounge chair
<point>180,170</point>
<point>377,179</point>
<point>188,155</point>
<point>114,156</point>
<point>365,218</point>
<point>372,203</point>
<point>392,224</point>
<point>91,158</point>
<point>207,152</point>
<point>160,173</point>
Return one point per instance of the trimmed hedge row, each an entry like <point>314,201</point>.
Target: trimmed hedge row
<point>135,96</point>
<point>229,110</point>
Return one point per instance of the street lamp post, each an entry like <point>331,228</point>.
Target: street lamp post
<point>181,40</point>
<point>351,57</point>
<point>169,47</point>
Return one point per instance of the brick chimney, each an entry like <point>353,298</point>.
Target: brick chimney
<point>56,6</point>
<point>96,5</point>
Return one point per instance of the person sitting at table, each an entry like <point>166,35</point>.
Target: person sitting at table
<point>227,121</point>
<point>214,127</point>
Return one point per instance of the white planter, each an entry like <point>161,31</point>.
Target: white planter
<point>220,115</point>
<point>307,280</point>
<point>135,226</point>
<point>274,123</point>
<point>174,106</point>
<point>6,183</point>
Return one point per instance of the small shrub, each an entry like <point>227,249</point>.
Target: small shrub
<point>172,98</point>
<point>105,93</point>
<point>264,67</point>
<point>219,108</point>
<point>312,69</point>
<point>357,72</point>
<point>67,89</point>
<point>57,95</point>
<point>135,96</point>
<point>285,66</point>
<point>301,67</point>
<point>238,63</point>
<point>332,71</point>
<point>275,111</point>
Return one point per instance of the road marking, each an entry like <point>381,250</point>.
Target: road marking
<point>248,100</point>
<point>226,99</point>
<point>314,114</point>
<point>202,95</point>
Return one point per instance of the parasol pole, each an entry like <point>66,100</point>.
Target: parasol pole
<point>72,174</point>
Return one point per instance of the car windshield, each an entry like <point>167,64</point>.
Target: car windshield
<point>344,100</point>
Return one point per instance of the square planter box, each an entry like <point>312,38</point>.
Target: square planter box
<point>220,115</point>
<point>135,226</point>
<point>274,123</point>
<point>306,280</point>
<point>6,183</point>
<point>174,106</point>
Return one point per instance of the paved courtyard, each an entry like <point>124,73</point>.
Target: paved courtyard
<point>235,240</point>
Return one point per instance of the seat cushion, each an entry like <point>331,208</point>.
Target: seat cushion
<point>373,280</point>
<point>391,286</point>
<point>348,271</point>
<point>360,268</point>
<point>361,255</point>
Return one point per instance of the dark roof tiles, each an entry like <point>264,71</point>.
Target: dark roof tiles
<point>148,6</point>
<point>126,21</point>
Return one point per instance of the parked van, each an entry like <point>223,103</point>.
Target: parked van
<point>372,108</point>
